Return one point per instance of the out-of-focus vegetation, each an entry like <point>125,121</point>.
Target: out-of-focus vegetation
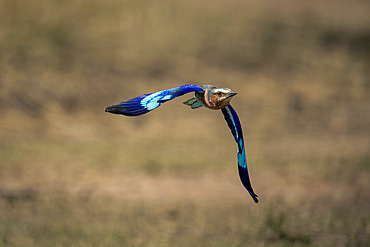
<point>73,175</point>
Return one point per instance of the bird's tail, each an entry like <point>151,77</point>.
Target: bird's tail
<point>193,103</point>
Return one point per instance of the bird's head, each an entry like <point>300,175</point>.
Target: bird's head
<point>217,98</point>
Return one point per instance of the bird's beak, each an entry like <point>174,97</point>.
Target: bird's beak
<point>231,94</point>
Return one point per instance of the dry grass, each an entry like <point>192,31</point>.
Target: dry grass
<point>72,175</point>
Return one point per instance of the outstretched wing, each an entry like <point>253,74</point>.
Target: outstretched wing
<point>147,102</point>
<point>233,122</point>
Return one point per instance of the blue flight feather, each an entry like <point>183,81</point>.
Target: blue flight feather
<point>233,122</point>
<point>147,102</point>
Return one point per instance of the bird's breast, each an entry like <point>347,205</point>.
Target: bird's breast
<point>210,100</point>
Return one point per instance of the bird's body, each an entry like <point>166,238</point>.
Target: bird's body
<point>207,96</point>
<point>212,97</point>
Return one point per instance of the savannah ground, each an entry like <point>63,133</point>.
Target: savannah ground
<point>73,175</point>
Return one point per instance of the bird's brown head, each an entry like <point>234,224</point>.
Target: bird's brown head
<point>217,98</point>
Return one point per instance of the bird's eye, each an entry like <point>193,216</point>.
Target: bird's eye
<point>219,93</point>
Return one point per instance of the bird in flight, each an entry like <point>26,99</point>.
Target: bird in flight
<point>208,96</point>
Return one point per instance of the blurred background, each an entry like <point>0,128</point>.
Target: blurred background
<point>73,175</point>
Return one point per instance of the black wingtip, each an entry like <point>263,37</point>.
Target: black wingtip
<point>111,109</point>
<point>115,110</point>
<point>254,196</point>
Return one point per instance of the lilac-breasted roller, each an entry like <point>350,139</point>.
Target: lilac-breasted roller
<point>208,96</point>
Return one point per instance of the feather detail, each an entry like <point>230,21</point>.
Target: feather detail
<point>148,102</point>
<point>233,122</point>
<point>193,103</point>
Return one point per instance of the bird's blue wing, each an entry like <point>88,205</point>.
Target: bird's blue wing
<point>147,102</point>
<point>233,122</point>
